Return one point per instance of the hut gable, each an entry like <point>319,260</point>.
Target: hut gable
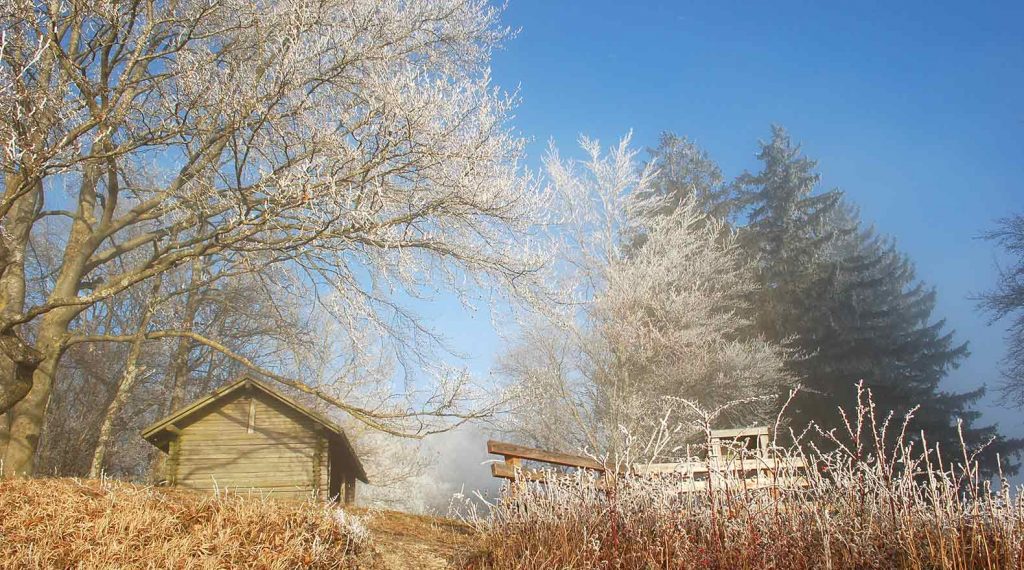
<point>247,436</point>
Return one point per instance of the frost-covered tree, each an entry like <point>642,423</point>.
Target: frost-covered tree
<point>1006,300</point>
<point>685,171</point>
<point>359,142</point>
<point>647,325</point>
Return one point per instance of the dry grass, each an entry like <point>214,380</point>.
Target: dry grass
<point>878,500</point>
<point>420,542</point>
<point>67,523</point>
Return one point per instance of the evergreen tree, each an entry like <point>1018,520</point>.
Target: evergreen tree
<point>849,301</point>
<point>790,230</point>
<point>685,171</point>
<point>879,327</point>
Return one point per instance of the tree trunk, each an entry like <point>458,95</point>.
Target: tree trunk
<point>124,388</point>
<point>5,436</point>
<point>179,363</point>
<point>17,369</point>
<point>132,370</point>
<point>28,414</point>
<point>17,359</point>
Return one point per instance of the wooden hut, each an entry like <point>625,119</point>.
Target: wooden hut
<point>247,436</point>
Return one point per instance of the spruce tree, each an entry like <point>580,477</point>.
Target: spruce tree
<point>685,171</point>
<point>790,233</point>
<point>882,330</point>
<point>850,303</point>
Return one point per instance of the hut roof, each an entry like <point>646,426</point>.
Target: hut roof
<point>162,430</point>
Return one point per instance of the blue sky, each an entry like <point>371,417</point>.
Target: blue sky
<point>914,110</point>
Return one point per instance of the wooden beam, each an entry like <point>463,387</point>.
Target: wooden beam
<point>511,450</point>
<point>251,426</point>
<point>738,432</point>
<point>318,463</point>
<point>506,471</point>
<point>350,488</point>
<point>722,466</point>
<point>172,463</point>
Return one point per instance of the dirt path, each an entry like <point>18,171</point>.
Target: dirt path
<point>406,541</point>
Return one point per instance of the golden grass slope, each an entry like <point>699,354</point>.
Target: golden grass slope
<point>68,523</point>
<point>89,524</point>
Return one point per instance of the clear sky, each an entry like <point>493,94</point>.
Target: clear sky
<point>915,110</point>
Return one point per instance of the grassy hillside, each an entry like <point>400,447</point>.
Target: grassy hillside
<point>858,517</point>
<point>68,523</point>
<point>72,523</point>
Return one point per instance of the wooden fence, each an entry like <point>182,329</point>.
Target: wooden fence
<point>737,458</point>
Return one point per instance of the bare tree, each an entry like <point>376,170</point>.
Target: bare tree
<point>1007,300</point>
<point>358,142</point>
<point>131,383</point>
<point>132,370</point>
<point>657,316</point>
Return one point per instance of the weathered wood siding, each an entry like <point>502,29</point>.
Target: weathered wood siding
<point>252,444</point>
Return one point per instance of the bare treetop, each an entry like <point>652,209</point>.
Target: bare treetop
<point>360,143</point>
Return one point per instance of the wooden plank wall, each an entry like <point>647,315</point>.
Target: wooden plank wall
<point>252,444</point>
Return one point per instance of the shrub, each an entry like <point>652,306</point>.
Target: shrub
<point>877,498</point>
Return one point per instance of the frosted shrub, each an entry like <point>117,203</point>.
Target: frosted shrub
<point>352,526</point>
<point>875,497</point>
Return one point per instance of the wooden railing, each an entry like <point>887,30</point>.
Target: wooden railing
<point>757,466</point>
